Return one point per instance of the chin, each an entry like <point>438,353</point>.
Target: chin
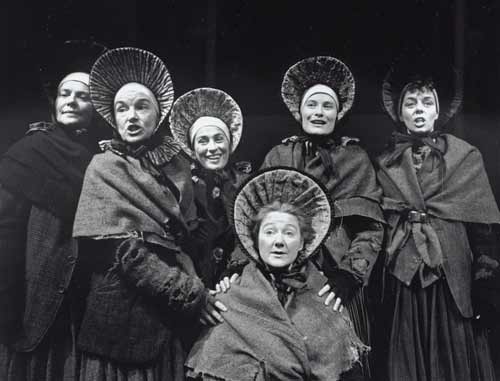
<point>317,131</point>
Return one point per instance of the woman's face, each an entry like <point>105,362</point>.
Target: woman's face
<point>136,113</point>
<point>319,114</point>
<point>73,106</point>
<point>211,148</point>
<point>279,239</point>
<point>419,111</point>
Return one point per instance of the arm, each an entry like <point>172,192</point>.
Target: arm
<point>14,213</point>
<point>348,269</point>
<point>163,277</point>
<point>160,277</point>
<point>483,240</point>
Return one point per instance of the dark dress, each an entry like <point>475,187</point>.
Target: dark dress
<point>40,182</point>
<point>355,241</point>
<point>214,249</point>
<point>144,292</point>
<point>438,205</point>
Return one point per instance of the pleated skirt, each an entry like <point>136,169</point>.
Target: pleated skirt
<point>54,359</point>
<point>429,340</point>
<point>168,367</point>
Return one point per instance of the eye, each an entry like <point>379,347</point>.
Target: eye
<point>219,139</point>
<point>311,104</point>
<point>202,140</point>
<point>84,97</point>
<point>328,106</point>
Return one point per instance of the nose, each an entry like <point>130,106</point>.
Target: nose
<point>71,99</point>
<point>318,111</point>
<point>278,241</point>
<point>211,146</point>
<point>131,114</point>
<point>419,109</point>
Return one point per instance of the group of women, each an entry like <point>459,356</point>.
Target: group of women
<point>162,259</point>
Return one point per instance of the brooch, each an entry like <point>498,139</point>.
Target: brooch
<point>216,192</point>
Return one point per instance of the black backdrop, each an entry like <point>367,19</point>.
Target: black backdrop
<point>244,47</point>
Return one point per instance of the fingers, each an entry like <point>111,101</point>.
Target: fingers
<point>233,278</point>
<point>220,306</point>
<point>324,290</point>
<point>226,282</point>
<point>207,319</point>
<point>214,314</point>
<point>341,308</point>
<point>337,305</point>
<point>213,292</point>
<point>217,288</point>
<point>329,298</point>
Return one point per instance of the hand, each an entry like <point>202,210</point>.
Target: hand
<point>337,306</point>
<point>225,284</point>
<point>211,313</point>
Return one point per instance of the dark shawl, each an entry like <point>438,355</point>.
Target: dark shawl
<point>47,168</point>
<point>352,183</point>
<point>261,340</point>
<point>460,194</point>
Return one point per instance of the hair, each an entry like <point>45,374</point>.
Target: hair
<point>306,230</point>
<point>416,84</point>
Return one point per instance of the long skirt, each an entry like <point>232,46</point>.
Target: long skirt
<point>430,340</point>
<point>54,359</point>
<point>168,367</point>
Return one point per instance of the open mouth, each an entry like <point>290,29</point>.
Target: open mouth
<point>318,122</point>
<point>419,121</point>
<point>133,129</point>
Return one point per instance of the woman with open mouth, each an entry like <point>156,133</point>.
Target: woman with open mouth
<point>208,125</point>
<point>319,91</point>
<point>441,258</point>
<point>135,208</point>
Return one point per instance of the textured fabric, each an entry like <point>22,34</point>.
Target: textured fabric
<point>439,242</point>
<point>260,339</point>
<point>55,358</point>
<point>354,192</point>
<point>357,235</point>
<point>311,71</point>
<point>47,168</point>
<point>430,340</point>
<point>120,199</point>
<point>213,239</point>
<point>205,102</point>
<point>169,367</point>
<point>137,293</point>
<point>285,185</point>
<point>118,67</point>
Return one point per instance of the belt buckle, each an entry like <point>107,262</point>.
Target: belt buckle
<point>417,216</point>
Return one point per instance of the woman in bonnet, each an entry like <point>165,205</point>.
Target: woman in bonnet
<point>276,326</point>
<point>319,91</point>
<point>440,259</point>
<point>40,181</point>
<point>135,207</point>
<point>208,125</point>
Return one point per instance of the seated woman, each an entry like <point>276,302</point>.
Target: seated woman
<point>440,247</point>
<point>208,124</point>
<point>276,326</point>
<point>135,206</point>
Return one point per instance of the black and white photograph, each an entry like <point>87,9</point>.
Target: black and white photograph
<point>242,190</point>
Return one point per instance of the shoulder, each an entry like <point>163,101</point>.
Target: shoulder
<point>458,144</point>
